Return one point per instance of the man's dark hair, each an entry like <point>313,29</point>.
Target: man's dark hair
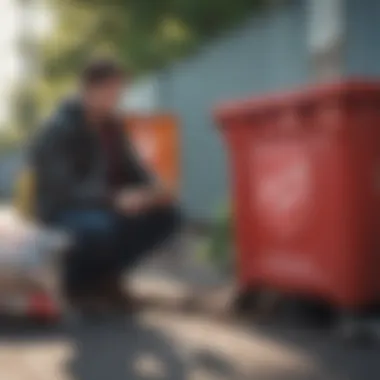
<point>100,71</point>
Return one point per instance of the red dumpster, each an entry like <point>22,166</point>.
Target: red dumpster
<point>305,170</point>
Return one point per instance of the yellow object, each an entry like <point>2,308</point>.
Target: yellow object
<point>24,194</point>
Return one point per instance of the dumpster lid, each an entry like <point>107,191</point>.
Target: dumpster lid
<point>311,95</point>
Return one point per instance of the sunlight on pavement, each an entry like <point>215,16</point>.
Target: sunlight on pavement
<point>246,353</point>
<point>34,361</point>
<point>149,366</point>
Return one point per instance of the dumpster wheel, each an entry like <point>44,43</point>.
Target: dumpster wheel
<point>356,329</point>
<point>261,303</point>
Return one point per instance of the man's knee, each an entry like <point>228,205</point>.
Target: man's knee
<point>91,227</point>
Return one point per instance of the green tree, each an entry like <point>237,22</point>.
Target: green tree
<point>144,34</point>
<point>24,96</point>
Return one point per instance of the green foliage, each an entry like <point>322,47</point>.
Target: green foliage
<point>218,247</point>
<point>24,108</point>
<point>144,35</point>
<point>10,138</point>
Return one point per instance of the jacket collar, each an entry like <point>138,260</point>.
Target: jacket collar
<point>72,108</point>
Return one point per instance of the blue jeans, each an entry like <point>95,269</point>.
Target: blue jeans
<point>107,243</point>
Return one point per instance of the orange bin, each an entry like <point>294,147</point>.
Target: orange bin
<point>305,172</point>
<point>156,138</point>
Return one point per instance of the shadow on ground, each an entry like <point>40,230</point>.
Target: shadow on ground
<point>163,345</point>
<point>333,358</point>
<point>129,348</point>
<point>116,348</point>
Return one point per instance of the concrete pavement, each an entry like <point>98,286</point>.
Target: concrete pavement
<point>160,343</point>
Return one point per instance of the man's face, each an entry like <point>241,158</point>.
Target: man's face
<point>105,97</point>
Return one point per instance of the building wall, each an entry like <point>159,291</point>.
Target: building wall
<point>268,53</point>
<point>363,37</point>
<point>142,96</point>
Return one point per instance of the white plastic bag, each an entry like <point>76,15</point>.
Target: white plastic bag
<point>26,247</point>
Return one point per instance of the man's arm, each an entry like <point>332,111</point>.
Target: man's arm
<point>54,171</point>
<point>141,179</point>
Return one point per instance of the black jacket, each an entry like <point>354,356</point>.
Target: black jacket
<point>69,164</point>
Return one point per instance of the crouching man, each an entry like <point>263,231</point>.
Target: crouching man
<point>90,182</point>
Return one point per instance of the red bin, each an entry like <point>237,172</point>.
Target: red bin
<point>305,170</point>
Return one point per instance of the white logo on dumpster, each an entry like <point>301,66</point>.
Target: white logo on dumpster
<point>281,187</point>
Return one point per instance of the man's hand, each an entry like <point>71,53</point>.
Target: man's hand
<point>133,201</point>
<point>138,200</point>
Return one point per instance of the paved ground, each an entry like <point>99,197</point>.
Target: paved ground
<point>161,343</point>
